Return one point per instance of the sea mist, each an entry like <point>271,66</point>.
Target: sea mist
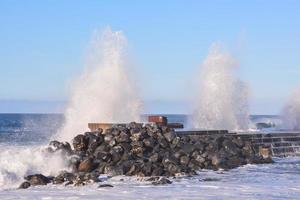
<point>222,101</point>
<point>104,92</point>
<point>290,114</point>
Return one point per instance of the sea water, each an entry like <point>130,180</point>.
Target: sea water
<point>23,136</point>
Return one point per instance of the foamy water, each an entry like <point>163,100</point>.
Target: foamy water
<point>19,161</point>
<point>274,181</point>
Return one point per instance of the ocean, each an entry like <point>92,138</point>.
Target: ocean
<point>24,136</point>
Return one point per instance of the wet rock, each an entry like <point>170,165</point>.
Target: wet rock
<point>64,147</point>
<point>210,179</point>
<point>37,179</point>
<point>162,181</point>
<point>184,160</point>
<point>63,177</point>
<point>149,142</point>
<point>87,165</point>
<point>170,135</point>
<point>163,142</point>
<point>105,185</point>
<point>239,142</point>
<point>150,150</point>
<point>80,143</point>
<point>123,137</point>
<point>154,158</point>
<point>230,147</point>
<point>188,148</point>
<point>25,185</point>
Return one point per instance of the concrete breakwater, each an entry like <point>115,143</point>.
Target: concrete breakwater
<point>146,150</point>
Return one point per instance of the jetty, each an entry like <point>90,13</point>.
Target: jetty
<point>276,144</point>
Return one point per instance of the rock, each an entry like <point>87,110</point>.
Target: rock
<point>37,179</point>
<point>188,148</point>
<point>149,142</point>
<point>238,141</point>
<point>149,150</point>
<point>105,185</point>
<point>163,142</point>
<point>123,137</point>
<point>210,179</point>
<point>87,165</point>
<point>169,136</point>
<point>154,158</point>
<point>230,147</point>
<point>63,177</point>
<point>217,160</point>
<point>25,185</point>
<point>60,146</point>
<point>69,183</point>
<point>184,160</point>
<point>80,143</point>
<point>162,181</point>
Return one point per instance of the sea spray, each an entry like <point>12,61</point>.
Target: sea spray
<point>223,98</point>
<point>19,161</point>
<point>290,113</point>
<point>104,92</point>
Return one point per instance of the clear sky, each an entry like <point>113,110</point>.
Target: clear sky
<point>42,45</point>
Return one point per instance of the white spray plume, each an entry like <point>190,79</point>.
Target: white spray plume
<point>222,102</point>
<point>290,114</point>
<point>104,92</point>
<point>19,161</point>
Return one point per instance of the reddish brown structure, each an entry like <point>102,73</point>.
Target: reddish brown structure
<point>158,119</point>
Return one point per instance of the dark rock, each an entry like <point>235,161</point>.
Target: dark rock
<point>184,160</point>
<point>149,142</point>
<point>230,147</point>
<point>154,158</point>
<point>123,137</point>
<point>63,177</point>
<point>60,146</point>
<point>37,179</point>
<point>162,181</point>
<point>69,183</point>
<point>217,160</point>
<point>239,142</point>
<point>188,148</point>
<point>87,165</point>
<point>163,142</point>
<point>80,143</point>
<point>170,135</point>
<point>25,185</point>
<point>210,179</point>
<point>105,185</point>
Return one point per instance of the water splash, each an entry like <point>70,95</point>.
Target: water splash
<point>223,98</point>
<point>290,114</point>
<point>19,161</point>
<point>104,92</point>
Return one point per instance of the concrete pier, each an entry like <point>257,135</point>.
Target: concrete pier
<point>280,144</point>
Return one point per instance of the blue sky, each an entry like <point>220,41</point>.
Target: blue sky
<point>42,45</point>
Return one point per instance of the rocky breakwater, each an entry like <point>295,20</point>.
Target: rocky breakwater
<point>149,150</point>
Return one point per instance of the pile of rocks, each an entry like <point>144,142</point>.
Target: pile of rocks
<point>149,150</point>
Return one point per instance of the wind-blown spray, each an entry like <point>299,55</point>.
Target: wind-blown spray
<point>104,92</point>
<point>222,102</point>
<point>290,114</point>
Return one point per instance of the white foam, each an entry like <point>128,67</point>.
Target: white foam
<point>222,102</point>
<point>18,161</point>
